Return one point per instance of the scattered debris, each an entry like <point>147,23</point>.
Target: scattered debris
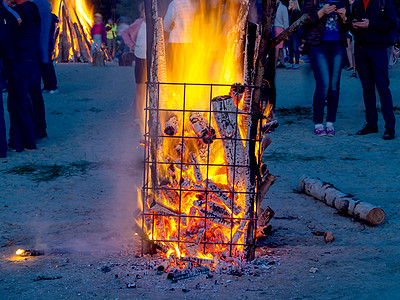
<point>187,273</point>
<point>47,278</point>
<point>131,285</point>
<point>329,237</point>
<point>105,269</point>
<point>313,270</point>
<point>318,233</point>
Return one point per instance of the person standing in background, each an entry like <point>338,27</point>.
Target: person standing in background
<point>178,31</point>
<point>374,21</point>
<point>294,52</point>
<point>280,24</point>
<point>98,34</point>
<point>135,38</point>
<point>23,72</point>
<point>326,40</point>
<point>111,30</point>
<point>8,27</point>
<point>48,72</point>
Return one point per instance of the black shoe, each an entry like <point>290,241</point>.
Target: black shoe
<point>389,134</point>
<point>367,129</point>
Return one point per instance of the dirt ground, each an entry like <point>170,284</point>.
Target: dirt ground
<point>75,197</point>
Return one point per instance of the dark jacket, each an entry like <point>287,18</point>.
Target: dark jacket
<point>294,15</point>
<point>381,23</point>
<point>28,35</point>
<point>315,29</point>
<point>8,28</point>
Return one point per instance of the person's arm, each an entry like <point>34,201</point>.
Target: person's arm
<point>285,18</point>
<point>129,35</point>
<point>169,17</point>
<point>13,12</point>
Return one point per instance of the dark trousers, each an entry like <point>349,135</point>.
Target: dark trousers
<point>35,93</point>
<point>326,62</point>
<point>294,51</point>
<point>49,77</point>
<point>19,104</point>
<point>373,70</point>
<point>3,138</point>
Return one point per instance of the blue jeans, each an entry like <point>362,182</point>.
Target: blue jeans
<point>326,62</point>
<point>294,51</point>
<point>372,67</point>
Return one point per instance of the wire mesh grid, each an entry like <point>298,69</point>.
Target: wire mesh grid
<point>182,212</point>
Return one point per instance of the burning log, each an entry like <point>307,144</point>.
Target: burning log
<point>21,252</point>
<point>265,144</point>
<point>180,147</point>
<point>202,128</point>
<point>344,203</point>
<point>196,168</point>
<point>171,196</point>
<point>188,273</point>
<point>264,188</point>
<point>200,261</point>
<point>160,208</point>
<point>239,232</point>
<point>269,126</point>
<point>265,217</point>
<point>216,194</point>
<point>226,117</point>
<point>171,126</point>
<point>192,248</point>
<point>213,208</point>
<point>236,92</point>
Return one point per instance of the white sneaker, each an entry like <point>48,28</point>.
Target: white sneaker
<point>54,92</point>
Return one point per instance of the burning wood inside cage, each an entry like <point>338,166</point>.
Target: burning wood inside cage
<point>203,177</point>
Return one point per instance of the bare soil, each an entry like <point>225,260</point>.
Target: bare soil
<point>75,198</point>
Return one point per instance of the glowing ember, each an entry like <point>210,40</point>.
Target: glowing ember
<point>19,252</point>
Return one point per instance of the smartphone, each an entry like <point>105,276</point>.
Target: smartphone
<point>339,4</point>
<point>355,20</point>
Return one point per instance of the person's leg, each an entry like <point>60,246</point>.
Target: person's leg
<point>36,96</point>
<point>349,52</point>
<point>49,77</point>
<point>3,137</point>
<point>291,49</point>
<point>366,74</point>
<point>319,64</point>
<point>381,73</point>
<point>296,50</point>
<point>20,107</point>
<point>336,55</point>
<point>140,95</point>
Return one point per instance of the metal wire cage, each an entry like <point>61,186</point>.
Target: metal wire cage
<point>201,169</point>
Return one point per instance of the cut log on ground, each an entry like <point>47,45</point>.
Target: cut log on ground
<point>344,203</point>
<point>265,217</point>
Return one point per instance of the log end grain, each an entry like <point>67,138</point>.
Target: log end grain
<point>376,216</point>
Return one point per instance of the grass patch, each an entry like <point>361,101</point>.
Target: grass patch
<point>43,172</point>
<point>349,158</point>
<point>83,99</point>
<point>95,110</point>
<point>285,157</point>
<point>298,112</point>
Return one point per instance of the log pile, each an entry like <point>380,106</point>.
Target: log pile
<point>199,208</point>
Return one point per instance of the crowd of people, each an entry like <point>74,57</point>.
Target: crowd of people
<point>26,57</point>
<point>361,31</point>
<point>357,31</point>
